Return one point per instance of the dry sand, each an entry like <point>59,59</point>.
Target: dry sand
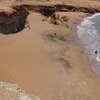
<point>49,68</point>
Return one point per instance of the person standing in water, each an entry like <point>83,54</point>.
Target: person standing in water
<point>97,56</point>
<point>96,52</point>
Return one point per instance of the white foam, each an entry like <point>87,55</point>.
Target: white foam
<point>98,58</point>
<point>88,35</point>
<point>87,26</point>
<point>93,16</point>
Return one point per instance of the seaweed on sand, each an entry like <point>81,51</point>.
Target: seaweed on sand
<point>65,63</point>
<point>54,37</point>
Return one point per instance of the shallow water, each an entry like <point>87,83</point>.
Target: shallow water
<point>89,35</point>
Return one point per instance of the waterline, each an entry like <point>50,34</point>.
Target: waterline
<point>89,35</point>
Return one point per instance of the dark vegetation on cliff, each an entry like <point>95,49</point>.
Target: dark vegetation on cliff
<point>51,9</point>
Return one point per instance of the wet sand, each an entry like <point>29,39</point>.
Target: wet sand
<point>46,67</point>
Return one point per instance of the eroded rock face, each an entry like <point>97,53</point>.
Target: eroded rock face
<point>48,10</point>
<point>12,22</point>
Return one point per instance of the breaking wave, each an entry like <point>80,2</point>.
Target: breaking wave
<point>89,35</point>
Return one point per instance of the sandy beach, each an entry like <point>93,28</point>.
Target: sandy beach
<point>47,60</point>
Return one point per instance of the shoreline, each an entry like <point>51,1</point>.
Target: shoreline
<point>93,61</point>
<point>48,60</point>
<point>77,40</point>
<point>75,24</point>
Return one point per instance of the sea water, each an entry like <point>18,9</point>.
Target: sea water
<point>89,35</point>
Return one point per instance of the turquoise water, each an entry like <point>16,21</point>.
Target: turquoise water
<point>89,35</point>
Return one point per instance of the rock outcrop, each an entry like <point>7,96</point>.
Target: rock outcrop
<point>14,92</point>
<point>12,21</point>
<point>48,10</point>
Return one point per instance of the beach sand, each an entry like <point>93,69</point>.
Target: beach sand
<point>46,66</point>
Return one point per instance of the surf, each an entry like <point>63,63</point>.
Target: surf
<point>89,35</point>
